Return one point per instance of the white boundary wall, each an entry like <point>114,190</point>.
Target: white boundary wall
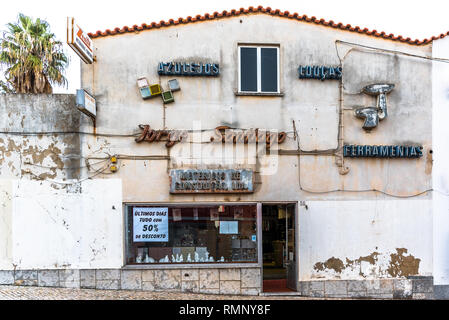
<point>440,128</point>
<point>46,228</point>
<point>367,233</point>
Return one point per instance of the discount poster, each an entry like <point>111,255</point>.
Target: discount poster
<point>150,224</point>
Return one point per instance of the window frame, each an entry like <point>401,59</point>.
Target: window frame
<point>188,265</point>
<point>259,69</point>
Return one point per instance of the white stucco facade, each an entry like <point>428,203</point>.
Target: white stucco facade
<point>440,71</point>
<point>313,105</point>
<point>357,218</point>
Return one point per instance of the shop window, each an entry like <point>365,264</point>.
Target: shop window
<point>258,69</point>
<point>200,234</point>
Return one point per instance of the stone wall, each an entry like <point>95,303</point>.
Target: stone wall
<point>409,288</point>
<point>238,281</point>
<point>245,281</point>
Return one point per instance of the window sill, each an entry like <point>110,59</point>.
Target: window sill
<point>191,266</point>
<point>261,94</point>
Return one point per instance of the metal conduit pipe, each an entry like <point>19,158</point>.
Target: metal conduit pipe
<point>339,156</point>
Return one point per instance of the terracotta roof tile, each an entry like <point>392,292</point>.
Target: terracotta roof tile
<point>267,10</point>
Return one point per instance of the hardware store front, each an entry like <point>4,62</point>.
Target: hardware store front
<point>215,235</point>
<point>192,234</point>
<point>273,162</point>
<point>251,148</point>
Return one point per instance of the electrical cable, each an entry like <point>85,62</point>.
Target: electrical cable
<point>136,157</point>
<point>286,152</point>
<point>97,172</point>
<point>36,133</point>
<point>369,190</point>
<point>18,133</point>
<point>345,190</point>
<point>67,168</point>
<point>391,51</point>
<point>327,151</point>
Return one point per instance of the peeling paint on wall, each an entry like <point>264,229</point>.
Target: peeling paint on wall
<point>403,266</point>
<point>39,156</point>
<point>429,163</point>
<point>333,263</point>
<point>398,265</point>
<point>337,265</point>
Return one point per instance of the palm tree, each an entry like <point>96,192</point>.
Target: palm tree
<point>33,58</point>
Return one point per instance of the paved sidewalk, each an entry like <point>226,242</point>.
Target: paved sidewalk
<point>39,293</point>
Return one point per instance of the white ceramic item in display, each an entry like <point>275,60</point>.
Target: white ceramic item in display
<point>197,257</point>
<point>173,259</point>
<point>189,258</point>
<point>151,260</point>
<point>222,259</point>
<point>165,259</point>
<point>211,259</point>
<point>139,259</point>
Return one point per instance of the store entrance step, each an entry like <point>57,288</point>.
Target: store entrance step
<point>276,285</point>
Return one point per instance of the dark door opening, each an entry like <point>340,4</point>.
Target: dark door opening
<point>278,248</point>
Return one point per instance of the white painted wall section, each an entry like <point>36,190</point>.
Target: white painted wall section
<point>365,239</point>
<point>5,223</point>
<point>440,173</point>
<point>57,228</point>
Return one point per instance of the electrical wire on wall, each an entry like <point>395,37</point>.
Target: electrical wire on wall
<point>76,181</point>
<point>346,190</point>
<point>299,151</point>
<point>340,131</point>
<point>66,168</point>
<point>377,49</point>
<point>90,166</point>
<point>38,133</point>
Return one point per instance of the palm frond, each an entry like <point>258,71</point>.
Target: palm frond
<point>31,56</point>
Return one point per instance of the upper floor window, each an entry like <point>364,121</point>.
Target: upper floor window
<point>258,69</point>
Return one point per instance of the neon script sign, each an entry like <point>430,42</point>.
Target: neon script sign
<point>319,72</point>
<point>188,69</point>
<point>223,134</point>
<point>355,151</point>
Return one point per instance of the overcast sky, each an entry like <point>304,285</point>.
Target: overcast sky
<point>414,19</point>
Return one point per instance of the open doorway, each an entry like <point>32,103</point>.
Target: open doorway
<point>278,248</point>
